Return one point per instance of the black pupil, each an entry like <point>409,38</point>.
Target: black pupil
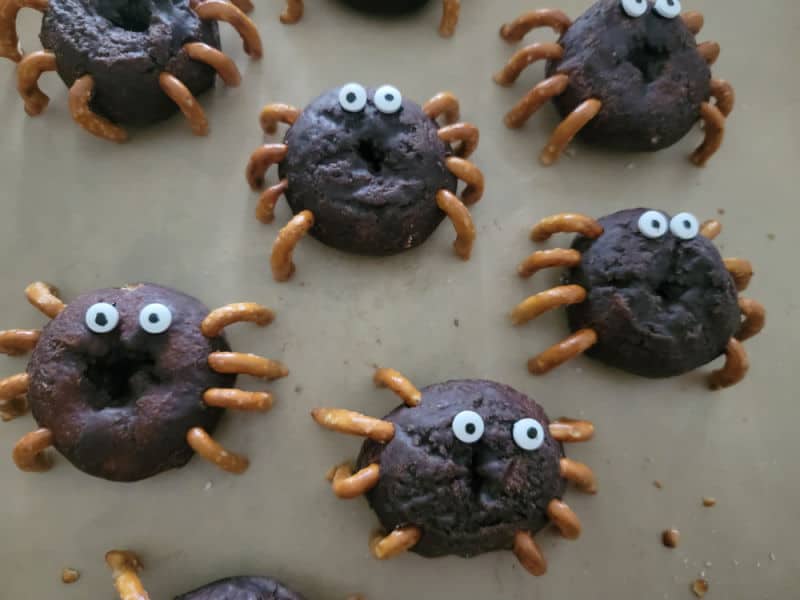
<point>470,428</point>
<point>533,433</point>
<point>655,224</point>
<point>153,318</point>
<point>671,2</point>
<point>351,97</point>
<point>389,97</point>
<point>687,224</point>
<point>101,319</point>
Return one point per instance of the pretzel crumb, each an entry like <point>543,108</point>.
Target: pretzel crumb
<point>671,538</point>
<point>70,575</point>
<point>658,484</point>
<point>709,502</point>
<point>700,587</point>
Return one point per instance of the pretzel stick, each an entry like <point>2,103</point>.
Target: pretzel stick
<point>261,160</point>
<point>399,541</point>
<point>466,133</point>
<point>281,260</point>
<point>547,17</point>
<point>459,215</point>
<point>80,94</point>
<point>546,259</point>
<point>13,402</point>
<point>579,474</point>
<point>471,175</point>
<point>9,41</point>
<point>569,430</point>
<point>265,209</point>
<point>566,223</point>
<point>293,12</point>
<point>183,97</point>
<point>711,229</point>
<point>399,384</point>
<point>445,104</point>
<point>45,297</point>
<point>735,368</point>
<point>238,399</point>
<point>723,92</point>
<point>568,129</point>
<point>526,57</point>
<point>693,20</point>
<point>709,51</point>
<point>246,364</point>
<point>548,300</point>
<point>564,518</point>
<point>529,554</point>
<point>218,10</point>
<point>567,349</point>
<point>535,99</point>
<point>16,342</point>
<point>741,270</point>
<point>715,131</point>
<point>346,485</point>
<point>28,73</point>
<point>353,423</point>
<point>29,452</point>
<point>205,446</point>
<point>219,61</point>
<point>450,11</point>
<point>272,114</point>
<point>241,312</point>
<point>755,317</point>
<point>125,567</point>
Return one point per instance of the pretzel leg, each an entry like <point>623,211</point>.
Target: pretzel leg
<point>399,384</point>
<point>241,312</point>
<point>238,399</point>
<point>548,17</point>
<point>293,12</point>
<point>529,554</point>
<point>566,223</point>
<point>205,446</point>
<point>564,518</point>
<point>219,61</point>
<point>469,174</point>
<point>444,104</point>
<point>9,41</point>
<point>29,453</point>
<point>715,131</point>
<point>396,543</point>
<point>547,259</point>
<point>567,349</point>
<point>542,302</point>
<point>16,342</point>
<point>524,58</point>
<point>693,20</point>
<point>281,260</point>
<point>45,298</point>
<point>579,474</point>
<point>13,402</point>
<point>735,369</point>
<point>265,209</point>
<point>260,162</point>
<point>711,229</point>
<point>535,99</point>
<point>125,567</point>
<point>237,363</point>
<point>709,51</point>
<point>458,213</point>
<point>28,73</point>
<point>348,486</point>
<point>723,93</point>
<point>569,431</point>
<point>183,97</point>
<point>219,10</point>
<point>755,317</point>
<point>465,133</point>
<point>245,6</point>
<point>568,129</point>
<point>353,423</point>
<point>272,114</point>
<point>741,270</point>
<point>80,94</point>
<point>450,11</point>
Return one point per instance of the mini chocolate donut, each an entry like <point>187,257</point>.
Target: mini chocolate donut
<point>386,7</point>
<point>370,177</point>
<point>242,588</point>
<point>662,305</point>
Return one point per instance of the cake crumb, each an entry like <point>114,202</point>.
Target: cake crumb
<point>700,587</point>
<point>708,564</point>
<point>298,389</point>
<point>720,211</point>
<point>709,502</point>
<point>772,556</point>
<point>671,538</point>
<point>658,484</point>
<point>771,236</point>
<point>208,486</point>
<point>70,575</point>
<point>456,322</point>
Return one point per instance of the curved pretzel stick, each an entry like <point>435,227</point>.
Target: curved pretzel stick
<point>9,42</point>
<point>450,11</point>
<point>735,369</point>
<point>16,342</point>
<point>399,384</point>
<point>219,61</point>
<point>28,73</point>
<point>693,20</point>
<point>13,402</point>
<point>238,399</point>
<point>293,12</point>
<point>755,317</point>
<point>272,114</point>
<point>45,297</point>
<point>265,209</point>
<point>542,302</point>
<point>741,270</point>
<point>281,260</point>
<point>245,6</point>
<point>399,541</point>
<point>546,259</point>
<point>709,51</point>
<point>723,92</point>
<point>353,423</point>
<point>566,223</point>
<point>459,215</point>
<point>218,10</point>
<point>183,97</point>
<point>261,160</point>
<point>445,104</point>
<point>80,94</point>
<point>348,486</point>
<point>547,17</point>
<point>535,99</point>
<point>469,174</point>
<point>125,567</point>
<point>570,430</point>
<point>250,312</point>
<point>205,446</point>
<point>237,363</point>
<point>524,58</point>
<point>711,229</point>
<point>466,133</point>
<point>564,518</point>
<point>715,131</point>
<point>529,554</point>
<point>567,349</point>
<point>29,452</point>
<point>579,474</point>
<point>568,129</point>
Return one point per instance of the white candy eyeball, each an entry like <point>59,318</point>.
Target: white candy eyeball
<point>653,224</point>
<point>528,434</point>
<point>468,426</point>
<point>388,99</point>
<point>634,8</point>
<point>684,226</point>
<point>102,317</point>
<point>155,318</point>
<point>353,97</point>
<point>669,9</point>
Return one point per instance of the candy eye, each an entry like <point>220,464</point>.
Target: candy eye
<point>528,434</point>
<point>388,99</point>
<point>684,226</point>
<point>669,9</point>
<point>155,318</point>
<point>468,426</point>
<point>102,317</point>
<point>353,97</point>
<point>653,224</point>
<point>634,8</point>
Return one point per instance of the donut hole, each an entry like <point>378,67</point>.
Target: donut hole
<point>651,61</point>
<point>130,15</point>
<point>119,378</point>
<point>372,155</point>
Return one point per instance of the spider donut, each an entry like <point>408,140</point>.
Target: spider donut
<point>626,75</point>
<point>462,468</point>
<point>128,62</point>
<point>129,382</point>
<point>367,171</point>
<point>447,26</point>
<point>645,293</point>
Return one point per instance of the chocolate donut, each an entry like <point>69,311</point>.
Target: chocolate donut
<point>386,7</point>
<point>661,305</point>
<point>242,588</point>
<point>120,401</point>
